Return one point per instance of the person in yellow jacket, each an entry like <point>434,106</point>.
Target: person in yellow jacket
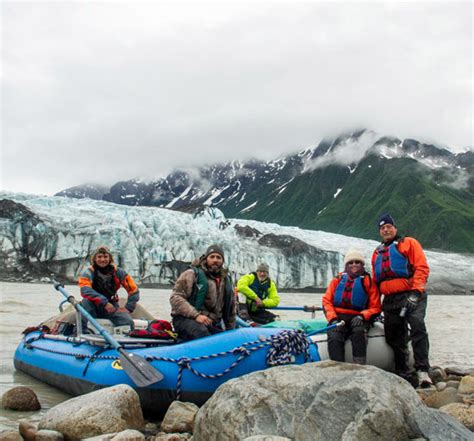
<point>260,292</point>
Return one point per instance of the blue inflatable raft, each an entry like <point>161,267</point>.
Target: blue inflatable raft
<point>192,370</point>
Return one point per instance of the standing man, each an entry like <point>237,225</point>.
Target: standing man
<point>400,269</point>
<point>203,297</point>
<point>99,285</point>
<point>260,292</point>
<point>351,297</point>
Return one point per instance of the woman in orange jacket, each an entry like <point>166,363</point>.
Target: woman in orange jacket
<point>351,297</point>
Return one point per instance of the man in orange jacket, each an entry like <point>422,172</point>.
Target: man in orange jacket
<point>351,297</point>
<point>99,284</point>
<point>400,269</point>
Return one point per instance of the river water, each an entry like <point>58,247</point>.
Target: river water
<point>449,320</point>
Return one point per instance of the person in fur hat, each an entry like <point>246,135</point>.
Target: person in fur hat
<point>99,284</point>
<point>351,297</point>
<point>202,300</point>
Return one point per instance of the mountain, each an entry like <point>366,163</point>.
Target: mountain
<point>340,186</point>
<point>42,238</point>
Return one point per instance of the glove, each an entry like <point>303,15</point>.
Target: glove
<point>358,320</point>
<point>412,301</point>
<point>334,320</point>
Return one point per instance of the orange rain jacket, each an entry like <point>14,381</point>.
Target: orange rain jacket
<point>373,305</point>
<point>121,279</point>
<point>411,249</point>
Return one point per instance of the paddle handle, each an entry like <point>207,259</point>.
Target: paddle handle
<point>326,329</point>
<point>72,300</point>
<point>305,308</point>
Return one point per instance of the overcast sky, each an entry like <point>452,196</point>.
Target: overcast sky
<point>101,92</point>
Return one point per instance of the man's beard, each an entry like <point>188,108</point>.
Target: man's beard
<point>214,269</point>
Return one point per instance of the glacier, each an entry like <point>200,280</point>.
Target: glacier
<point>44,237</point>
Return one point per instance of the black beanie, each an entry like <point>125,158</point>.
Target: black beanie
<point>386,219</point>
<point>214,249</point>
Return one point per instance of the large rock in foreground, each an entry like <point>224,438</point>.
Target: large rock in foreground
<point>322,401</point>
<point>112,409</point>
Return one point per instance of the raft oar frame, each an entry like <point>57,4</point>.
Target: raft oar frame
<point>137,368</point>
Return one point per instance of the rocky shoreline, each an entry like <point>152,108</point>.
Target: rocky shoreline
<point>315,401</point>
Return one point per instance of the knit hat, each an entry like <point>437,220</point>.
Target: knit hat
<point>354,254</point>
<point>386,219</point>
<point>101,250</point>
<point>263,267</point>
<point>214,249</point>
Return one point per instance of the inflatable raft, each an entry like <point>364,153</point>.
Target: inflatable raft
<point>192,370</point>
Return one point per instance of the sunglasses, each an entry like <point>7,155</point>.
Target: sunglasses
<point>354,262</point>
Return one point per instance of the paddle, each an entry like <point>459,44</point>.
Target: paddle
<point>305,308</point>
<point>137,368</point>
<point>242,323</point>
<point>326,329</point>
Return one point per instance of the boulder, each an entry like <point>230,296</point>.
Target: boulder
<point>441,398</point>
<point>162,436</point>
<point>179,418</point>
<point>129,435</point>
<point>441,386</point>
<point>437,374</point>
<point>453,383</point>
<point>27,429</point>
<point>20,398</point>
<point>266,438</point>
<point>321,401</point>
<point>10,435</point>
<point>49,435</point>
<point>112,409</point>
<point>467,385</point>
<point>464,413</point>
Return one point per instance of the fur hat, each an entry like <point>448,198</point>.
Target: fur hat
<point>101,250</point>
<point>385,219</point>
<point>263,267</point>
<point>214,249</point>
<point>354,254</point>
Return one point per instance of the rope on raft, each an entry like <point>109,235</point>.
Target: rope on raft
<point>283,348</point>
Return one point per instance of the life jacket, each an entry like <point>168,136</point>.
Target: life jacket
<point>106,284</point>
<point>260,288</point>
<point>201,287</point>
<point>391,264</point>
<point>350,293</point>
<point>159,329</point>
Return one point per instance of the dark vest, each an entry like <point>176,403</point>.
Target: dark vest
<point>201,287</point>
<point>391,264</point>
<point>106,283</point>
<point>350,293</point>
<point>260,288</point>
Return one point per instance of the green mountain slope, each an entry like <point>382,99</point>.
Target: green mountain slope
<point>439,216</point>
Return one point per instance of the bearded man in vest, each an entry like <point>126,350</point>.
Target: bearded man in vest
<point>99,284</point>
<point>202,300</point>
<point>260,292</point>
<point>351,297</point>
<point>400,270</point>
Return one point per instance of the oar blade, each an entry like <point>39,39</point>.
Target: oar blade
<point>139,370</point>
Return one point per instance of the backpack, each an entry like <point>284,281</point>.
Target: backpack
<point>159,329</point>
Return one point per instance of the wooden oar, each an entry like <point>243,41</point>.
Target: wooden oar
<point>137,368</point>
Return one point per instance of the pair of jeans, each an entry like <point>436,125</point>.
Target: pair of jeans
<point>399,330</point>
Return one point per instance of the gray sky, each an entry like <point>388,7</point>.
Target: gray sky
<point>101,92</point>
